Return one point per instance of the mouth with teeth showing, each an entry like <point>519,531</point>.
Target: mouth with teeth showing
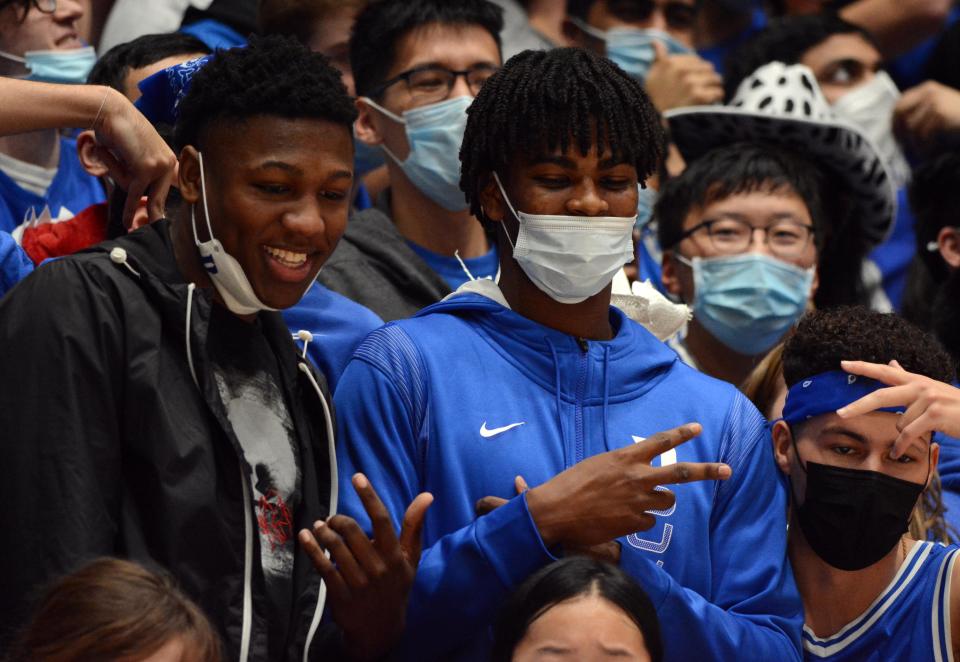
<point>287,265</point>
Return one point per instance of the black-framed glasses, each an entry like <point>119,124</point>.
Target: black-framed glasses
<point>786,238</point>
<point>678,15</point>
<point>432,83</point>
<point>45,6</point>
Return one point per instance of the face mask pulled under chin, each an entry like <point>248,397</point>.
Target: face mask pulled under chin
<point>57,66</point>
<point>434,135</point>
<point>870,107</point>
<point>852,518</point>
<point>570,258</point>
<point>225,272</point>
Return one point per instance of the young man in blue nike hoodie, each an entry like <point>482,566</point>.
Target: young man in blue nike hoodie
<point>540,378</point>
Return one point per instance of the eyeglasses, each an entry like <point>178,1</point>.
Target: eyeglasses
<point>786,239</point>
<point>432,83</point>
<point>46,6</point>
<point>678,15</point>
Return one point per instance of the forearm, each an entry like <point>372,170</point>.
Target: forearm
<point>896,25</point>
<point>693,628</point>
<point>32,106</point>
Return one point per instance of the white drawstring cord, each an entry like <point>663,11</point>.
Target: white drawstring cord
<point>334,490</point>
<point>193,373</point>
<point>463,265</point>
<point>306,337</point>
<point>119,256</point>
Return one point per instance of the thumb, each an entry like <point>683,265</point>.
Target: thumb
<point>659,50</point>
<point>412,527</point>
<point>520,484</point>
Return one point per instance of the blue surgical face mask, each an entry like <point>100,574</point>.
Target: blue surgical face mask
<point>365,157</point>
<point>632,48</point>
<point>58,66</point>
<point>748,301</point>
<point>646,199</point>
<point>434,134</point>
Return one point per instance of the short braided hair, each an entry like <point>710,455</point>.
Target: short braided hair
<point>544,100</point>
<point>271,76</point>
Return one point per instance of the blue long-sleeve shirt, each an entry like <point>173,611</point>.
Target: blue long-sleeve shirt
<point>467,395</point>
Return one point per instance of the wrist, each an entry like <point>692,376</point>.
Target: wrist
<point>541,510</point>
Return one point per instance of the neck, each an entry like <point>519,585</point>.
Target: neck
<point>39,148</point>
<point>831,597</point>
<point>589,319</point>
<point>422,221</point>
<point>716,359</point>
<point>546,17</point>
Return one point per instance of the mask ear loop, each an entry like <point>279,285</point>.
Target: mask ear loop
<point>193,207</point>
<point>513,211</point>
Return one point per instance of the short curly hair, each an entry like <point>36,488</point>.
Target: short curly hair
<point>824,338</point>
<point>271,76</point>
<point>543,100</point>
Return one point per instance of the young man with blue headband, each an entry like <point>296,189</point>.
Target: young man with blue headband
<point>858,442</point>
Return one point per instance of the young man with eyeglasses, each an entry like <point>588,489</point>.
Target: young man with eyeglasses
<point>739,230</point>
<point>39,170</point>
<point>417,65</point>
<point>653,41</point>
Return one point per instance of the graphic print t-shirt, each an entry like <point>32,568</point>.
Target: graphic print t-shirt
<point>249,381</point>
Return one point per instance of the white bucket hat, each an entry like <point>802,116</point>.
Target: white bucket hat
<point>782,105</point>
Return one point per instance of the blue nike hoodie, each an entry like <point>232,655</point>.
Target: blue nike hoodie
<point>466,395</point>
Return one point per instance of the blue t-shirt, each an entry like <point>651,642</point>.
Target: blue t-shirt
<point>14,263</point>
<point>72,188</point>
<point>893,257</point>
<point>214,34</point>
<point>717,54</point>
<point>448,268</point>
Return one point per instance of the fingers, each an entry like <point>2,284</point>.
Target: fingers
<point>520,484</point>
<point>663,441</point>
<point>891,374</point>
<point>894,396</point>
<point>157,197</point>
<point>384,536</point>
<point>659,51</point>
<point>341,554</point>
<point>488,504</point>
<point>410,532</point>
<point>337,589</point>
<point>688,472</point>
<point>134,192</point>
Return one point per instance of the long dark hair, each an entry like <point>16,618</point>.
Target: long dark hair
<point>568,579</point>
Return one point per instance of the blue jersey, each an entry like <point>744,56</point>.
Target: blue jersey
<point>908,622</point>
<point>72,188</point>
<point>467,394</point>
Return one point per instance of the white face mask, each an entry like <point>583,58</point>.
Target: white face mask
<point>869,107</point>
<point>570,258</point>
<point>224,270</point>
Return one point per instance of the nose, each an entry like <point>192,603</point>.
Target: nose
<point>587,201</point>
<point>657,20</point>
<point>460,88</point>
<point>305,222</point>
<point>759,243</point>
<point>69,10</point>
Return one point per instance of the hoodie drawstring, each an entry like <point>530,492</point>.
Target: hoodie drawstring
<point>193,371</point>
<point>606,394</point>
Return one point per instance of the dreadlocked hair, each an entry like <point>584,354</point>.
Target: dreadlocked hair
<point>270,76</point>
<point>544,100</point>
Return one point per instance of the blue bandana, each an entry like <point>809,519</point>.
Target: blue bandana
<point>163,91</point>
<point>826,393</point>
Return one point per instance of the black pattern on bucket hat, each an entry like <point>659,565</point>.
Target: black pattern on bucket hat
<point>782,105</point>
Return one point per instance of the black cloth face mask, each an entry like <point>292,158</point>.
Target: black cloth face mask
<point>852,518</point>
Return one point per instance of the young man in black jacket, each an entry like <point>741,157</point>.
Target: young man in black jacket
<point>155,407</point>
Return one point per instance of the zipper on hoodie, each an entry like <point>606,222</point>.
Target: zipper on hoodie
<point>581,387</point>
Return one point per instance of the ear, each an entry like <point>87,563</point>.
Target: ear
<point>189,174</point>
<point>364,126</point>
<point>782,446</point>
<point>815,285</point>
<point>948,241</point>
<point>90,153</point>
<point>491,200</point>
<point>668,274</point>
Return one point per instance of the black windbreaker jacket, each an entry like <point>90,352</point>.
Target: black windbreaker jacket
<point>109,447</point>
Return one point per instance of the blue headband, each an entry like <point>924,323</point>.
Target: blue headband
<point>163,91</point>
<point>826,393</point>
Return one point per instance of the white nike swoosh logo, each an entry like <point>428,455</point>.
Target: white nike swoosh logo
<point>486,432</point>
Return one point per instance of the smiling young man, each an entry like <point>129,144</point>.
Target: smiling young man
<point>39,41</point>
<point>858,454</point>
<point>162,412</point>
<point>417,65</point>
<point>541,378</point>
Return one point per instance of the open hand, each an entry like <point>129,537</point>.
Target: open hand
<point>368,581</point>
<point>675,81</point>
<point>931,406</point>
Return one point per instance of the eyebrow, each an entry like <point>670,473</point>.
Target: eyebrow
<point>280,165</point>
<point>341,174</point>
<point>846,432</point>
<point>566,162</point>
